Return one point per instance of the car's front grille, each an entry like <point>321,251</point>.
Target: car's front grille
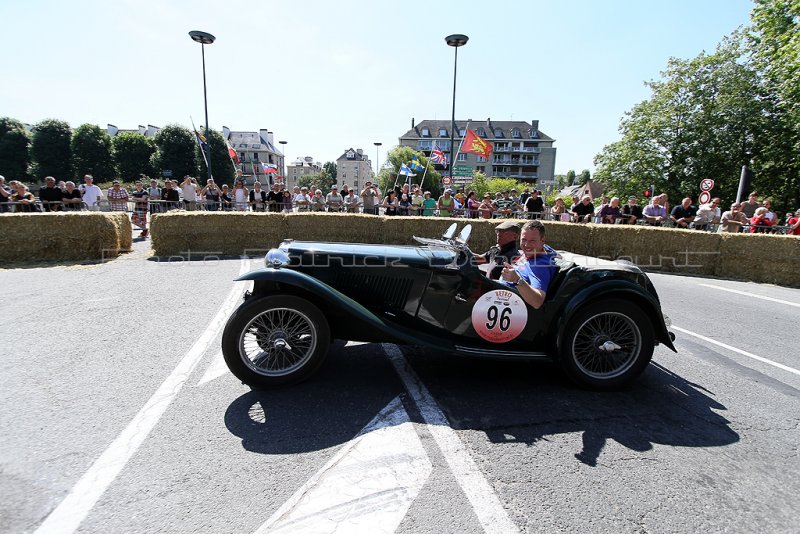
<point>372,289</point>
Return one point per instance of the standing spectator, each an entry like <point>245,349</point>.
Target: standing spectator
<point>404,205</point>
<point>50,195</point>
<point>505,206</point>
<point>771,215</point>
<point>334,200</point>
<point>446,204</point>
<point>118,197</point>
<point>274,197</point>
<point>732,221</point>
<point>5,195</point>
<point>302,200</point>
<point>684,214</point>
<point>749,207</point>
<point>559,211</point>
<point>352,202</point>
<point>189,191</point>
<point>486,208</point>
<point>345,191</point>
<point>240,195</point>
<point>472,205</point>
<point>170,196</point>
<point>707,214</point>
<point>154,195</point>
<point>71,197</point>
<point>139,217</point>
<point>583,211</point>
<point>575,201</point>
<point>25,200</point>
<point>428,205</point>
<point>794,224</point>
<point>210,194</point>
<point>759,222</point>
<point>416,202</point>
<point>534,205</point>
<point>92,195</point>
<point>632,211</point>
<point>390,203</point>
<point>610,213</point>
<point>258,197</point>
<point>369,198</point>
<point>655,213</point>
<point>523,198</point>
<point>286,203</point>
<point>225,198</point>
<point>318,201</point>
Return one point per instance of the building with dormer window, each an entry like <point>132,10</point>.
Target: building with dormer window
<point>353,168</point>
<point>519,149</point>
<point>253,149</point>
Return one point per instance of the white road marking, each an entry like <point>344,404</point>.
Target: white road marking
<point>738,351</point>
<point>748,294</point>
<point>356,343</point>
<point>485,503</point>
<point>68,515</point>
<point>216,369</point>
<point>368,486</point>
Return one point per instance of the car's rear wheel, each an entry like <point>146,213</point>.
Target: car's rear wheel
<point>607,344</point>
<point>275,340</point>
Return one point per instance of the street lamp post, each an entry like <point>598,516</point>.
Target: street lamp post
<point>283,166</point>
<point>377,158</point>
<point>456,40</point>
<point>204,38</point>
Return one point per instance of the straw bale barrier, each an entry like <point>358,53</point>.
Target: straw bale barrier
<point>63,236</point>
<point>760,258</point>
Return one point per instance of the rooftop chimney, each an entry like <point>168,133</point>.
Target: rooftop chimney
<point>535,125</point>
<point>412,123</point>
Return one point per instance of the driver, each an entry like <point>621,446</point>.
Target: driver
<point>505,251</point>
<point>532,272</point>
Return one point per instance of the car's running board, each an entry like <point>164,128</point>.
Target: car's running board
<point>503,354</point>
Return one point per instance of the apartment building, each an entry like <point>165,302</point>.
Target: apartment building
<point>301,167</point>
<point>255,148</point>
<point>353,168</point>
<point>519,149</point>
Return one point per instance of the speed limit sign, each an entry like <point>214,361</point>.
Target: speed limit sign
<point>705,197</point>
<point>446,180</point>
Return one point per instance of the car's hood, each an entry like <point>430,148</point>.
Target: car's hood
<point>303,252</point>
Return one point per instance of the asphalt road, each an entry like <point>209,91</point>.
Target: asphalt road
<point>118,417</point>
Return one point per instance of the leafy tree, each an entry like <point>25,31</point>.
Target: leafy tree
<point>222,169</point>
<point>132,152</point>
<point>389,174</point>
<point>91,153</point>
<point>176,151</point>
<point>15,143</point>
<point>329,168</point>
<point>51,151</point>
<point>571,177</point>
<point>585,176</point>
<point>479,184</point>
<point>319,180</point>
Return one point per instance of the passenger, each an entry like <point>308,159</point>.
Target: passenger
<point>531,274</point>
<point>505,251</point>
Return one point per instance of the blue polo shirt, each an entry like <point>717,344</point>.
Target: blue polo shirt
<point>539,270</point>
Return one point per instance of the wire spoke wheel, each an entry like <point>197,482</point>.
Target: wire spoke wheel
<point>278,341</point>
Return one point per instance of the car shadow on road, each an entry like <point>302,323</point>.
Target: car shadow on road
<point>511,402</point>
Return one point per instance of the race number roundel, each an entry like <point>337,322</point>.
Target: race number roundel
<point>705,197</point>
<point>499,316</point>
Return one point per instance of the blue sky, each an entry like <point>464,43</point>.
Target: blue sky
<point>326,76</point>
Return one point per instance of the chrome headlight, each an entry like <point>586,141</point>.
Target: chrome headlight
<point>276,258</point>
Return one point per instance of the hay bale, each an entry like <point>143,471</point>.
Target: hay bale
<point>124,230</point>
<point>61,236</point>
<point>215,233</point>
<point>763,258</point>
<point>659,249</point>
<point>567,236</point>
<point>333,227</point>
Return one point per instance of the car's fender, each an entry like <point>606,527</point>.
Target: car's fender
<point>619,289</point>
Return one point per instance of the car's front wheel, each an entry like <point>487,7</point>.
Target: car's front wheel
<point>275,340</point>
<point>607,344</point>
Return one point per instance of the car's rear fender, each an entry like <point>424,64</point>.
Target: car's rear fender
<point>625,290</point>
<point>337,306</point>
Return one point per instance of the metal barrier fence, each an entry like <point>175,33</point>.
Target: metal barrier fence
<point>162,206</point>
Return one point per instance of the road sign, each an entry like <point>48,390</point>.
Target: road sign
<point>705,197</point>
<point>462,180</point>
<point>166,173</point>
<point>706,184</point>
<point>446,180</point>
<point>462,171</point>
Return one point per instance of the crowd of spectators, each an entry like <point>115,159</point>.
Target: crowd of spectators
<point>403,200</point>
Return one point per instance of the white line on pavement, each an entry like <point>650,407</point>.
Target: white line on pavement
<point>368,486</point>
<point>68,515</point>
<point>485,503</point>
<point>216,369</point>
<point>738,351</point>
<point>749,294</point>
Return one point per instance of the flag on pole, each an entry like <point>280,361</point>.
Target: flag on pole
<point>201,140</point>
<point>232,153</point>
<point>416,165</point>
<point>269,167</point>
<point>473,144</point>
<point>405,171</point>
<point>437,156</point>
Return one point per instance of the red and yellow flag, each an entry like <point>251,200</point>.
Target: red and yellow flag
<point>473,144</point>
